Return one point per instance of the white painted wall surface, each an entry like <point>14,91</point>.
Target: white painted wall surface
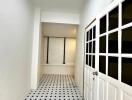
<point>16,28</point>
<point>60,17</point>
<point>59,30</point>
<point>89,12</point>
<point>35,50</point>
<point>58,69</point>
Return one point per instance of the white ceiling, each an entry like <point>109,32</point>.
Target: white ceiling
<point>73,6</point>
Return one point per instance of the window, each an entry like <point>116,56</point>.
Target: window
<point>94,32</point>
<point>90,47</point>
<point>102,64</point>
<point>127,70</point>
<point>86,59</point>
<point>90,34</point>
<point>126,12</point>
<point>113,19</point>
<point>93,61</point>
<point>113,43</point>
<point>113,67</point>
<point>89,60</point>
<point>127,40</point>
<point>93,46</point>
<point>102,44</point>
<point>103,25</point>
<point>87,48</point>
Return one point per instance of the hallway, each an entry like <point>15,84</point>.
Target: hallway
<point>55,87</point>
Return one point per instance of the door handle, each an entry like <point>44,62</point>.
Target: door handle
<point>95,73</point>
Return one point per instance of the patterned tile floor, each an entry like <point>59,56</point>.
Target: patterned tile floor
<point>55,87</point>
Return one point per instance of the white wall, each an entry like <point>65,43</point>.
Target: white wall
<point>59,30</point>
<point>60,17</point>
<point>35,67</point>
<point>89,12</point>
<point>16,28</point>
<point>55,56</point>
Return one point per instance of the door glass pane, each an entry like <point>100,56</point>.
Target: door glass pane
<point>87,48</point>
<point>90,47</point>
<point>103,25</point>
<point>86,59</point>
<point>94,32</point>
<point>127,70</point>
<point>93,46</point>
<point>89,60</point>
<point>113,67</point>
<point>127,40</point>
<point>93,62</point>
<point>102,44</point>
<point>113,43</point>
<point>113,19</point>
<point>87,36</point>
<point>90,34</point>
<point>127,12</point>
<point>102,64</point>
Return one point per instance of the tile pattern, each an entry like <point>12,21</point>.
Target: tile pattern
<point>55,87</point>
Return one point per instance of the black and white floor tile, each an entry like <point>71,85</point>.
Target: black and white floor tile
<point>55,87</point>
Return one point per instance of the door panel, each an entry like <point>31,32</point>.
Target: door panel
<point>127,96</point>
<point>112,92</point>
<point>101,89</point>
<point>113,54</point>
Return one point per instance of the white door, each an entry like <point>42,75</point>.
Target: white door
<point>113,56</point>
<point>90,75</point>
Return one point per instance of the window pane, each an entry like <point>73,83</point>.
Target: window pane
<point>113,19</point>
<point>93,46</point>
<point>87,36</point>
<point>94,32</point>
<point>87,48</point>
<point>102,64</point>
<point>113,43</point>
<point>127,70</point>
<point>93,62</point>
<point>113,67</point>
<point>86,59</point>
<point>89,60</point>
<point>90,47</point>
<point>102,44</point>
<point>127,40</point>
<point>127,12</point>
<point>90,34</point>
<point>103,25</point>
